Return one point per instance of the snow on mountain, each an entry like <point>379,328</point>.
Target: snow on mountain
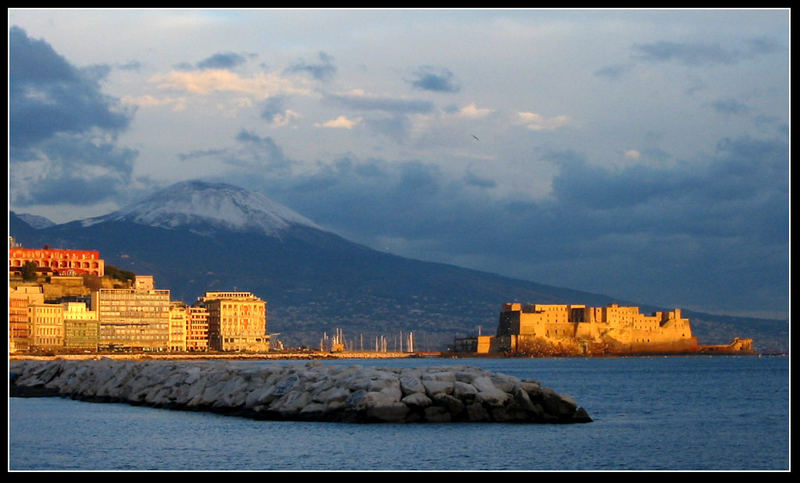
<point>35,221</point>
<point>193,203</point>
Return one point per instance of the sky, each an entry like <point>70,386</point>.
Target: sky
<point>641,154</point>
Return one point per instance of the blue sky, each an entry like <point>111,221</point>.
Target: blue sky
<point>642,154</point>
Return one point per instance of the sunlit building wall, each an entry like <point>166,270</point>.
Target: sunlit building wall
<point>237,321</point>
<point>133,318</point>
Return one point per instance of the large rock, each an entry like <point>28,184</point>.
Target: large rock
<point>306,392</point>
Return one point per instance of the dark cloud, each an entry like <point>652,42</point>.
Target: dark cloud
<point>49,96</point>
<point>134,65</point>
<point>324,70</point>
<point>201,153</point>
<point>386,104</point>
<point>699,53</point>
<point>79,171</point>
<point>387,116</point>
<point>639,229</point>
<point>472,179</point>
<point>614,71</point>
<point>62,128</point>
<point>259,153</point>
<point>222,60</point>
<point>729,106</point>
<point>687,53</point>
<point>437,79</point>
<point>273,106</point>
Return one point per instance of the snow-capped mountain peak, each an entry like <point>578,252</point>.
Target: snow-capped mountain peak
<point>197,203</point>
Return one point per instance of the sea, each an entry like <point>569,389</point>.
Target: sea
<point>694,413</point>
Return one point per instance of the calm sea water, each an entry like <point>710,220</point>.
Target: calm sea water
<point>659,413</point>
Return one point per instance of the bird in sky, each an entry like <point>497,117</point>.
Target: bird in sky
<point>476,137</point>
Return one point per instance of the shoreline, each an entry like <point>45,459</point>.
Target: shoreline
<point>302,355</point>
<point>229,356</point>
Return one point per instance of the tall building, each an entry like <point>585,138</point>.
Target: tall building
<point>81,328</point>
<point>237,321</point>
<point>46,326</point>
<point>135,318</point>
<point>177,326</point>
<point>18,326</point>
<point>196,329</point>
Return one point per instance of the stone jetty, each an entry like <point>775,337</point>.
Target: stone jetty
<point>311,391</point>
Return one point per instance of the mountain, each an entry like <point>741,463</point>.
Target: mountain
<point>35,221</point>
<point>195,237</point>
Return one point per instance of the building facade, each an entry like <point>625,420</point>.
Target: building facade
<point>57,261</point>
<point>237,321</point>
<point>46,323</point>
<point>81,328</point>
<point>177,326</point>
<point>18,326</point>
<point>133,319</point>
<point>196,329</point>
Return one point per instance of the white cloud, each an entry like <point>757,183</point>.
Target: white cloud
<point>340,122</point>
<point>261,86</point>
<point>633,154</point>
<point>471,111</point>
<point>285,118</point>
<point>537,122</point>
<point>177,103</point>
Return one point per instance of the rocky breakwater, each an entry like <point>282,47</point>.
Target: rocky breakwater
<point>308,392</point>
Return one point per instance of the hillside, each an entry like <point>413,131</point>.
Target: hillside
<point>315,281</point>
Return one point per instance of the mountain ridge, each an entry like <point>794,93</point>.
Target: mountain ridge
<point>315,280</point>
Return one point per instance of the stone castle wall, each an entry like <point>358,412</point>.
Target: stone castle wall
<point>581,330</point>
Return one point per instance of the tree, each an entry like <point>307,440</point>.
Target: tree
<point>29,271</point>
<point>118,274</point>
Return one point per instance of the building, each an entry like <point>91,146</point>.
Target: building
<point>196,329</point>
<point>46,322</point>
<point>133,319</point>
<point>177,326</point>
<point>18,326</point>
<point>54,261</point>
<point>237,321</point>
<point>582,330</point>
<point>81,328</point>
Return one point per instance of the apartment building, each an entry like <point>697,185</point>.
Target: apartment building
<point>196,329</point>
<point>46,322</point>
<point>135,318</point>
<point>81,328</point>
<point>237,321</point>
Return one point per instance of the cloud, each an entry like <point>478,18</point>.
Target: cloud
<point>729,106</point>
<point>62,129</point>
<point>635,227</point>
<point>274,110</point>
<point>360,101</point>
<point>222,60</point>
<point>704,53</point>
<point>340,122</point>
<point>387,116</point>
<point>614,71</point>
<point>633,154</point>
<point>49,96</point>
<point>436,79</point>
<point>324,70</point>
<point>146,100</point>
<point>537,122</point>
<point>471,111</point>
<point>204,82</point>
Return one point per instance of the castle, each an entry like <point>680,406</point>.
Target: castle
<point>580,330</point>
